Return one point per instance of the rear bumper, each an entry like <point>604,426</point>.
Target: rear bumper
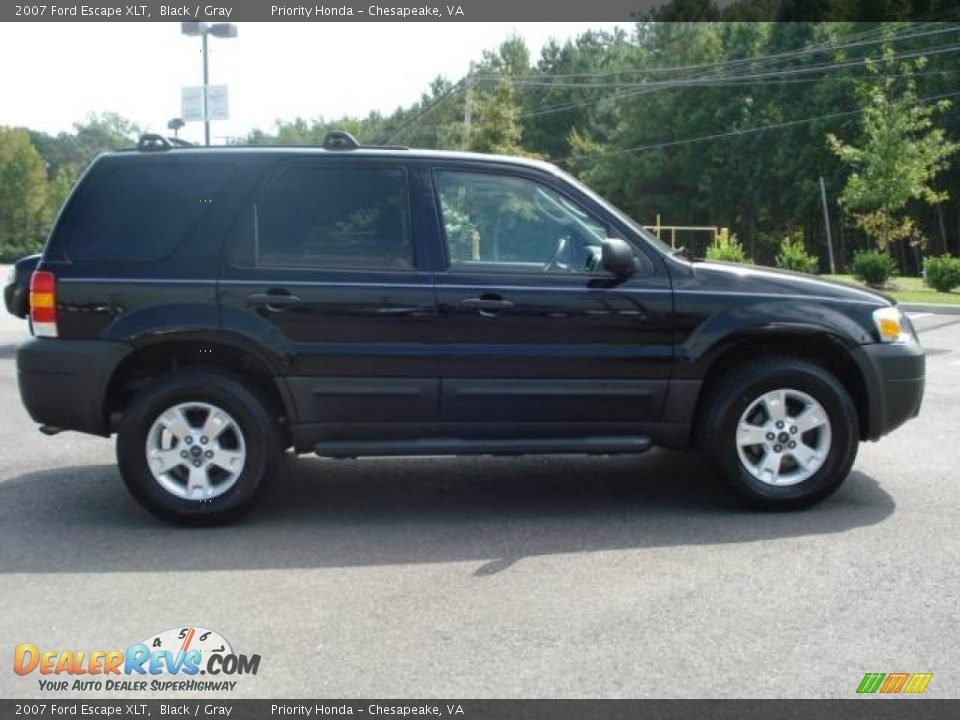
<point>894,375</point>
<point>64,382</point>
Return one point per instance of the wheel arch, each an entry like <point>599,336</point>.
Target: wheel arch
<point>158,356</point>
<point>821,347</point>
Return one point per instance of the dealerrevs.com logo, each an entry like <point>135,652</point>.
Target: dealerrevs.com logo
<point>169,661</point>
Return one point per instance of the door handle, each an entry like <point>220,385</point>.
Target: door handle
<point>274,301</point>
<point>487,306</point>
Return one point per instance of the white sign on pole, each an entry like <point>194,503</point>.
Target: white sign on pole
<point>217,106</point>
<point>191,103</point>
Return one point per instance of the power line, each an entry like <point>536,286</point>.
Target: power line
<point>745,131</point>
<point>643,89</point>
<point>424,112</point>
<point>782,76</point>
<point>722,82</point>
<point>783,73</point>
<point>827,46</point>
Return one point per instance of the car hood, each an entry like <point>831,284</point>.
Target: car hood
<point>736,277</point>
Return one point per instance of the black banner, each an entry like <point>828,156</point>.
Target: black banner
<point>857,709</point>
<point>328,10</point>
<point>323,11</point>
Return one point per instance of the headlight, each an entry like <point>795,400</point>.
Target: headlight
<point>892,325</point>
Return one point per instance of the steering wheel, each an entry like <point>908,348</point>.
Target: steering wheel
<point>558,253</point>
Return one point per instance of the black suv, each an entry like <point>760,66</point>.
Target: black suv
<point>215,306</point>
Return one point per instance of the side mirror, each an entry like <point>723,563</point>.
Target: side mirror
<point>617,257</point>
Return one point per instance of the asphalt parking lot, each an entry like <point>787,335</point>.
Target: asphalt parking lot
<point>532,577</point>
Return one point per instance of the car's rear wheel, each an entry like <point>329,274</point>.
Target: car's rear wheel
<point>784,432</point>
<point>197,447</point>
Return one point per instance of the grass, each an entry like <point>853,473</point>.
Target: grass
<point>907,290</point>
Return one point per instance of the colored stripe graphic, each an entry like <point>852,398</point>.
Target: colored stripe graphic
<point>918,682</point>
<point>870,682</point>
<point>894,682</point>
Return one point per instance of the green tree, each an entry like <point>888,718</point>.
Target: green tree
<point>496,124</point>
<point>94,135</point>
<point>495,113</point>
<point>900,154</point>
<point>67,154</point>
<point>24,206</point>
<point>58,187</point>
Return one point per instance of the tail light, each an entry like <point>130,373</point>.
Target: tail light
<point>43,303</point>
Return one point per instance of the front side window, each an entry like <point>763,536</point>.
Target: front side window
<point>506,223</point>
<point>334,217</point>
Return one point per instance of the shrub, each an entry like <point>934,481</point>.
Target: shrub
<point>942,273</point>
<point>873,267</point>
<point>793,256</point>
<point>726,247</point>
<point>12,253</point>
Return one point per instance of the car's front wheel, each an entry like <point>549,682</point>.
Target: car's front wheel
<point>784,431</point>
<point>197,447</point>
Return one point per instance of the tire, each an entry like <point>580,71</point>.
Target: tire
<point>746,407</point>
<point>247,444</point>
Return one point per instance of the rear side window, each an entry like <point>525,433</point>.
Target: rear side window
<point>334,217</point>
<point>141,213</point>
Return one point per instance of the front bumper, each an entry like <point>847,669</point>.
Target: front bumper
<point>63,383</point>
<point>894,376</point>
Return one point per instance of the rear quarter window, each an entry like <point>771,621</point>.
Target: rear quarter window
<point>141,213</point>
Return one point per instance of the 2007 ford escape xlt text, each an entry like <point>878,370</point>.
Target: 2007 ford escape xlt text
<point>216,306</point>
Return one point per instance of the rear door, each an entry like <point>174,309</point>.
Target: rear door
<point>325,265</point>
<point>537,331</point>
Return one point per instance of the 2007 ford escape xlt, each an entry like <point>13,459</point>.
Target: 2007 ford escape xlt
<point>214,306</point>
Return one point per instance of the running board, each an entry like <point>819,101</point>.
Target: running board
<point>614,445</point>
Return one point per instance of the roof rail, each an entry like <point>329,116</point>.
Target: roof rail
<point>340,140</point>
<point>333,140</point>
<point>151,142</point>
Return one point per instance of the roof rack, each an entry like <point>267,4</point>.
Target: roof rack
<point>151,142</point>
<point>333,140</point>
<point>340,140</point>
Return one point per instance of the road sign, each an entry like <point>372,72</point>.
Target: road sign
<point>217,106</point>
<point>191,101</point>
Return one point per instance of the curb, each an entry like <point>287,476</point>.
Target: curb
<point>930,308</point>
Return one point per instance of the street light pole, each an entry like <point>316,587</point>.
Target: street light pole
<point>221,30</point>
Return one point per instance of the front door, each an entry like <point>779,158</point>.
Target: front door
<point>326,268</point>
<point>537,331</point>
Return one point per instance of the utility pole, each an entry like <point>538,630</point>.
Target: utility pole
<point>826,224</point>
<point>467,107</point>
